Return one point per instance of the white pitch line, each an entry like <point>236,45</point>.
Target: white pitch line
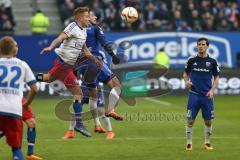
<point>132,138</point>
<point>159,102</point>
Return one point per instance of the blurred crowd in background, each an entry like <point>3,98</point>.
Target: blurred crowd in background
<point>6,17</point>
<point>161,15</point>
<point>154,15</point>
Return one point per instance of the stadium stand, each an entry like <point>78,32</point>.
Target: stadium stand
<point>162,15</point>
<point>154,15</point>
<point>6,17</point>
<point>24,9</point>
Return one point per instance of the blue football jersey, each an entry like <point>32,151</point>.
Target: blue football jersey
<point>202,71</point>
<point>95,36</point>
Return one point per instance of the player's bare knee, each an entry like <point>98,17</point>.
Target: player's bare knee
<point>77,97</point>
<point>190,122</point>
<point>208,122</point>
<point>31,123</point>
<point>116,83</point>
<point>77,93</point>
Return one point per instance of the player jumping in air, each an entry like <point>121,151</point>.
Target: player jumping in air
<point>13,75</point>
<point>95,36</point>
<point>73,48</point>
<point>199,73</point>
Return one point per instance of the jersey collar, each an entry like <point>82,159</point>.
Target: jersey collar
<point>203,57</point>
<point>78,25</point>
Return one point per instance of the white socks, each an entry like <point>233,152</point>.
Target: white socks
<point>107,123</point>
<point>208,132</point>
<point>105,119</point>
<point>189,131</point>
<point>94,110</point>
<point>72,123</point>
<point>113,98</point>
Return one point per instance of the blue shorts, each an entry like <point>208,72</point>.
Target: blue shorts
<point>197,102</point>
<point>88,69</point>
<point>105,75</point>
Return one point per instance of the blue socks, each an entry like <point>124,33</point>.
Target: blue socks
<point>31,136</point>
<point>17,153</point>
<point>77,107</point>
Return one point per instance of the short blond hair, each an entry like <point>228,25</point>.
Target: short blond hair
<point>80,10</point>
<point>7,45</point>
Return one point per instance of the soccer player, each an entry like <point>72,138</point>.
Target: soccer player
<point>29,119</point>
<point>101,108</point>
<point>201,77</point>
<point>73,51</point>
<point>13,75</point>
<point>95,36</point>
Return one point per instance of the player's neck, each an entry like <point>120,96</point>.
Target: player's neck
<point>202,55</point>
<point>80,25</point>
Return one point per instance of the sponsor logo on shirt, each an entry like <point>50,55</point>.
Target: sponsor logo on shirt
<point>201,70</point>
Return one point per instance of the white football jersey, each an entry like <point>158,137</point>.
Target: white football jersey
<point>13,75</point>
<point>71,48</point>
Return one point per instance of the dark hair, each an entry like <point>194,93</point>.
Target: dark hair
<point>203,39</point>
<point>80,10</point>
<point>161,50</point>
<point>7,45</point>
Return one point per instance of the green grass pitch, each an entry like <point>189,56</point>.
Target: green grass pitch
<point>153,130</point>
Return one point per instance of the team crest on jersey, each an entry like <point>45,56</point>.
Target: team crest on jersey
<point>208,64</point>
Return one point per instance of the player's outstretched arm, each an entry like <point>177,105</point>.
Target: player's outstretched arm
<point>54,43</point>
<point>187,80</point>
<point>106,45</point>
<point>31,94</point>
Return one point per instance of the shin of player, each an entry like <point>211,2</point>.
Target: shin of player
<point>29,119</point>
<point>201,77</point>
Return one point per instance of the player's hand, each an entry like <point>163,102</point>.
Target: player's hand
<point>188,84</point>
<point>210,94</point>
<point>115,59</point>
<point>47,49</point>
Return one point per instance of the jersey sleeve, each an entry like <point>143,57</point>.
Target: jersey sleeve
<point>69,30</point>
<point>188,66</point>
<point>29,76</point>
<point>216,69</point>
<point>100,35</point>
